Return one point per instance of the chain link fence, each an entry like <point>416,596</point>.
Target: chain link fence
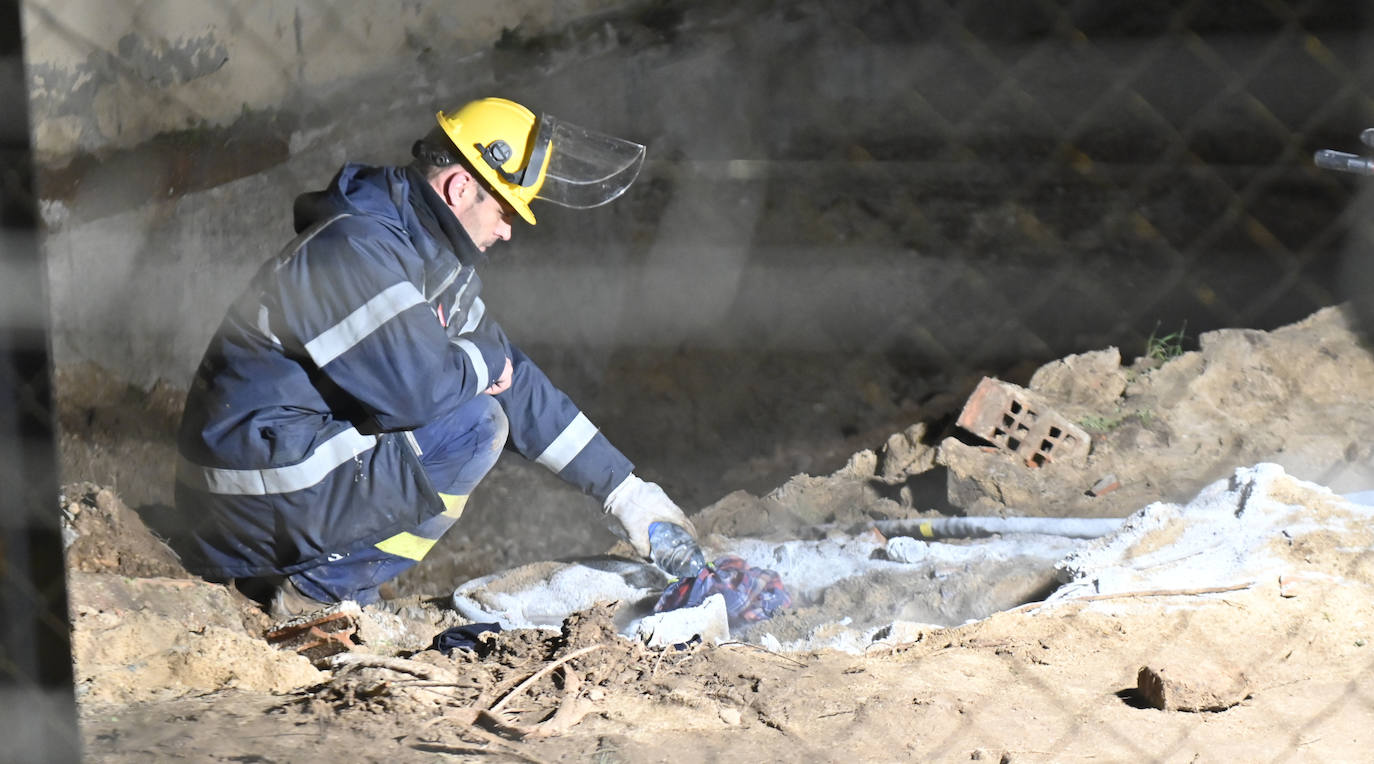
<point>951,188</point>
<point>1173,153</point>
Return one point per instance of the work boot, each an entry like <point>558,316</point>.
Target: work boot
<point>289,602</point>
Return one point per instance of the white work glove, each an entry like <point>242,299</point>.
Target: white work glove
<point>637,504</point>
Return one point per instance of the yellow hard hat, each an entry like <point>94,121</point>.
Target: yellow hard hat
<point>524,158</point>
<point>498,138</point>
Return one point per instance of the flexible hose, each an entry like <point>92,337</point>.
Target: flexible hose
<point>979,527</point>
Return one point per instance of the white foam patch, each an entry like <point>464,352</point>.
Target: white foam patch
<point>809,567</point>
<point>1223,538</point>
<point>542,602</point>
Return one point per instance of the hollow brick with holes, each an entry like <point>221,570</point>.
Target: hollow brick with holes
<point>1017,421</point>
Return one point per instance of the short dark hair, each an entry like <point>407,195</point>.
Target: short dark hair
<point>435,152</point>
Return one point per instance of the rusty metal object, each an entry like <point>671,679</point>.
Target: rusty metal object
<point>317,638</point>
<point>1017,421</point>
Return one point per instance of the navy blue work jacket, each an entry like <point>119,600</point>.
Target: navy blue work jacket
<point>294,445</point>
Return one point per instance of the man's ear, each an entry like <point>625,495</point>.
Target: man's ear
<point>452,183</point>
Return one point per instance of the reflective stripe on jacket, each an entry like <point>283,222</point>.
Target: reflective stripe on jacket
<point>293,444</point>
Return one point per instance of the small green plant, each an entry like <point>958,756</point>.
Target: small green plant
<point>1098,423</point>
<point>1164,347</point>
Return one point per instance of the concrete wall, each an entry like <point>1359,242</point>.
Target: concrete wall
<point>172,137</point>
<point>112,74</point>
<point>874,177</point>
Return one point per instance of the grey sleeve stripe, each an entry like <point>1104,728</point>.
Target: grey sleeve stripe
<point>568,444</point>
<point>304,474</point>
<point>337,339</point>
<point>265,325</point>
<point>467,282</point>
<point>478,362</point>
<point>449,279</point>
<point>475,314</point>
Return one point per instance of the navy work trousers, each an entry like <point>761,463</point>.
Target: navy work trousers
<point>457,450</point>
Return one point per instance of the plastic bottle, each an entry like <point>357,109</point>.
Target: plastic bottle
<point>674,550</point>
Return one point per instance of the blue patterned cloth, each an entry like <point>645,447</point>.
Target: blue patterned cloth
<point>751,594</point>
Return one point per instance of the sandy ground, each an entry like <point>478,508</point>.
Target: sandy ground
<point>1054,685</point>
<point>1245,605</point>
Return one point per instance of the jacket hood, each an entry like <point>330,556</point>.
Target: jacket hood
<point>357,190</point>
<point>398,196</point>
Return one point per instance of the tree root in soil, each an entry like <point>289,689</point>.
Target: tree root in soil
<point>490,722</point>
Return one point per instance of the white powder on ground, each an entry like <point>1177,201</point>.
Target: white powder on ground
<point>1224,537</point>
<point>1227,536</point>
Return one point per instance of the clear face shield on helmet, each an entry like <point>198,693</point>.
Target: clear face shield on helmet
<point>588,168</point>
<point>585,168</point>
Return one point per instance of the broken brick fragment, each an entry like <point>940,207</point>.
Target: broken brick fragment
<point>1106,484</point>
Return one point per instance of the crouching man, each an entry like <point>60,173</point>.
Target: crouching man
<point>360,389</point>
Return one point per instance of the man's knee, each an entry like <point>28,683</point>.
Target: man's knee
<point>494,426</point>
<point>490,433</point>
<point>459,448</point>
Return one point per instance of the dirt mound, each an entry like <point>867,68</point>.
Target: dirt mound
<point>138,639</point>
<point>1162,429</point>
<point>1055,684</point>
<point>102,535</point>
<point>143,628</point>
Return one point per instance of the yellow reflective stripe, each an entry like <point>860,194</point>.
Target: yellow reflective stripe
<point>414,547</point>
<point>407,545</point>
<point>927,530</point>
<point>453,505</point>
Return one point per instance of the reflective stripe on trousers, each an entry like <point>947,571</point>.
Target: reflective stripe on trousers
<point>457,451</point>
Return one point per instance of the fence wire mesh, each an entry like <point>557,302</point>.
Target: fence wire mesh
<point>1076,174</point>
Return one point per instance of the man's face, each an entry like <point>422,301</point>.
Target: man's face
<point>486,217</point>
